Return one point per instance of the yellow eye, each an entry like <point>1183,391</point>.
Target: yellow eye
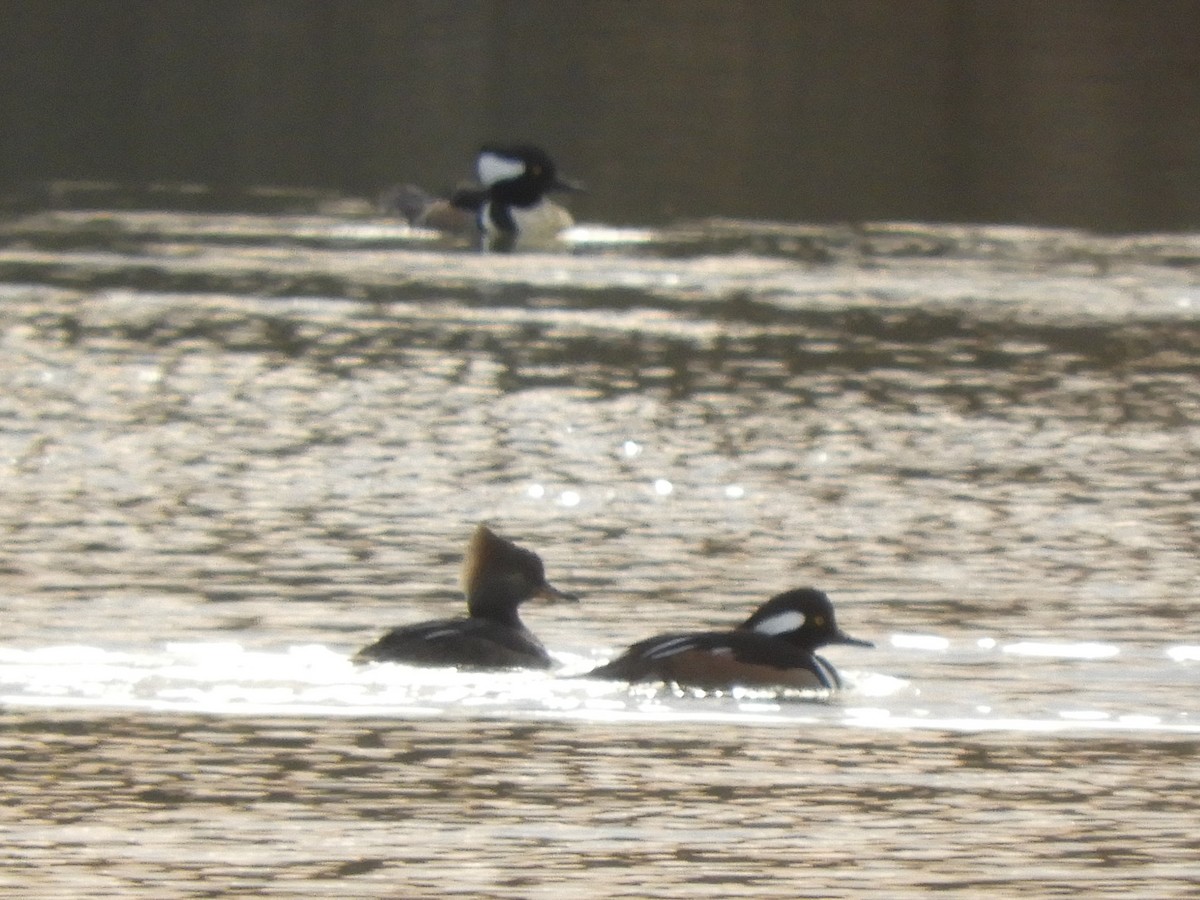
<point>819,621</point>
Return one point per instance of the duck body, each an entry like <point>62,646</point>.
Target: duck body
<point>508,209</point>
<point>538,227</point>
<point>456,216</point>
<point>721,659</point>
<point>515,210</point>
<point>465,643</point>
<point>774,648</point>
<point>498,576</point>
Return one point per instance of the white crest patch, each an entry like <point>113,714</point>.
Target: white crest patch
<point>492,168</point>
<point>781,623</point>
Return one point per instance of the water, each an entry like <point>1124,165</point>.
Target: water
<point>236,448</point>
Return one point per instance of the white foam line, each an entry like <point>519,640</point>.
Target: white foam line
<point>648,714</point>
<point>1075,650</point>
<point>304,710</point>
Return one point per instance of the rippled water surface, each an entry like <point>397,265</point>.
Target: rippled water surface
<point>236,448</point>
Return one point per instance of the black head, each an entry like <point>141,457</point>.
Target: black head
<point>803,617</point>
<point>519,174</point>
<point>498,576</point>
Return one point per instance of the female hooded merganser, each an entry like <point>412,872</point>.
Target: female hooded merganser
<point>508,209</point>
<point>498,576</point>
<point>773,648</point>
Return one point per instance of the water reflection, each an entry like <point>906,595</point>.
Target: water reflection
<point>235,448</point>
<point>250,805</point>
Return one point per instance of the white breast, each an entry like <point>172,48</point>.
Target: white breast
<point>540,225</point>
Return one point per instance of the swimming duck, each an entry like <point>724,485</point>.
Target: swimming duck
<point>497,577</point>
<point>773,648</point>
<point>515,212</point>
<point>507,210</point>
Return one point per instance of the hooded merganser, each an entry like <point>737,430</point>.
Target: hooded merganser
<point>497,577</point>
<point>514,209</point>
<point>773,648</point>
<point>508,209</point>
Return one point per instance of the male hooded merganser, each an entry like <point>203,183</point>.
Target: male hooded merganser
<point>497,577</point>
<point>773,648</point>
<point>514,209</point>
<point>508,209</point>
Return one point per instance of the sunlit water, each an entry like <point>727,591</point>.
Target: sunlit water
<point>237,448</point>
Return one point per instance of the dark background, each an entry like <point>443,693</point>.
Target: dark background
<point>1071,112</point>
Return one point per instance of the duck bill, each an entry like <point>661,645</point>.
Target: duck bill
<point>843,638</point>
<point>549,592</point>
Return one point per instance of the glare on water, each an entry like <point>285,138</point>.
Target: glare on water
<point>237,448</point>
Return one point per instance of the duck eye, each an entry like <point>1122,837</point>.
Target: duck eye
<point>537,170</point>
<point>819,621</point>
